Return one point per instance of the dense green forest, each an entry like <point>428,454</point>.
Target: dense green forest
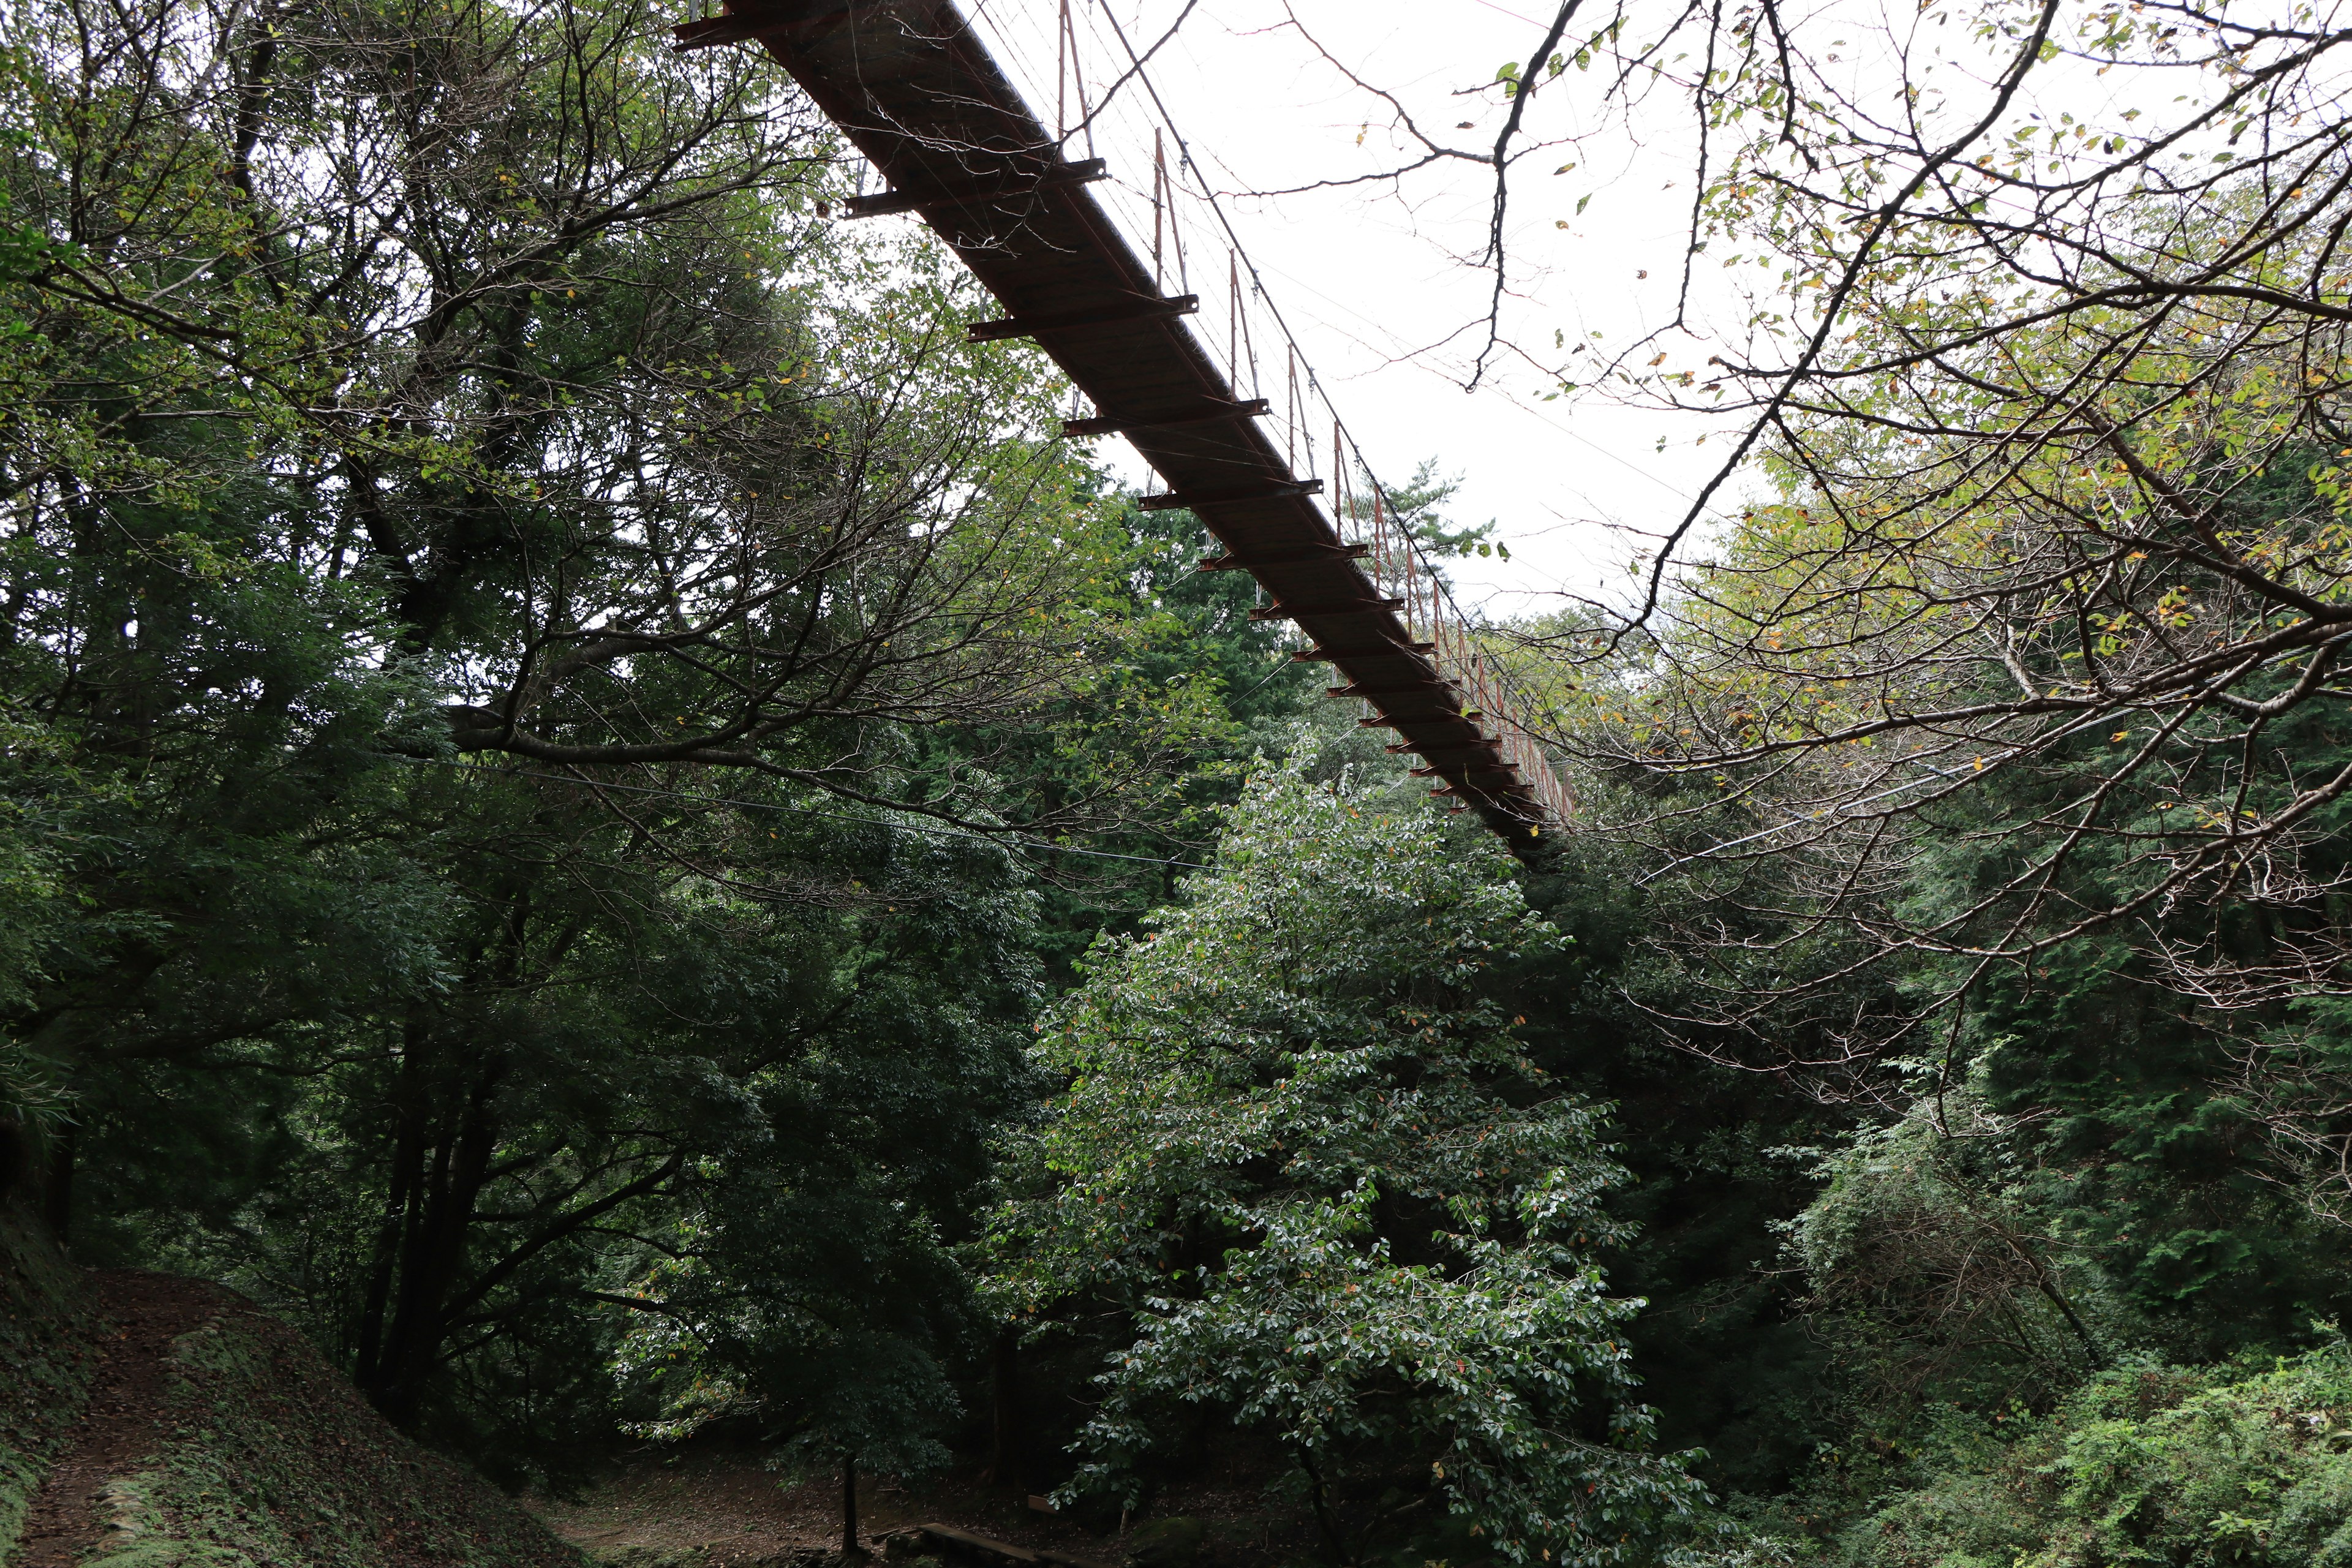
<point>598,813</point>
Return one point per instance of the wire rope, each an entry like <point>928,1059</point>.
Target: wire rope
<point>1141,72</point>
<point>1455,656</point>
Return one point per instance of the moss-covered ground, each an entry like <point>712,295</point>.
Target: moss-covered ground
<point>47,1349</point>
<point>269,1456</point>
<point>232,1445</point>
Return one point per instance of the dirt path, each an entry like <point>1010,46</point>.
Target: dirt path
<point>712,1504</point>
<point>143,1314</point>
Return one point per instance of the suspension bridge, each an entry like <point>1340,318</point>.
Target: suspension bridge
<point>918,91</point>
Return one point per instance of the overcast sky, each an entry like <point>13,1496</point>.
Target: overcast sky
<point>1373,279</point>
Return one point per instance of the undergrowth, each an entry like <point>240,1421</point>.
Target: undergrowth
<point>273,1458</point>
<point>47,1356</point>
<point>2223,1466</point>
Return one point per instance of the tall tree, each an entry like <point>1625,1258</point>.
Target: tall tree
<point>508,626</point>
<point>1304,1159</point>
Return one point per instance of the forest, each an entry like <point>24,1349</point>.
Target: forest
<point>604,816</point>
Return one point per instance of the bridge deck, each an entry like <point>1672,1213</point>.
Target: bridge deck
<point>915,88</point>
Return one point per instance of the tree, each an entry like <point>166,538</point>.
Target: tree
<point>449,1185</point>
<point>2057,499</point>
<point>2047,399</point>
<point>510,624</point>
<point>818,1306</point>
<point>646,463</point>
<point>1303,1155</point>
<point>1417,509</point>
<point>1927,1251</point>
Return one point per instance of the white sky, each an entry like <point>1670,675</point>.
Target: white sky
<point>1378,284</point>
<point>1368,282</point>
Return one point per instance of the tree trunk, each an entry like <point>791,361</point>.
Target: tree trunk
<point>56,1187</point>
<point>433,1254</point>
<point>20,1162</point>
<point>407,1174</point>
<point>1333,1538</point>
<point>1007,1465</point>
<point>849,1547</point>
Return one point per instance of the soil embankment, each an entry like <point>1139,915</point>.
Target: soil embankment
<point>151,1420</point>
<point>120,1432</point>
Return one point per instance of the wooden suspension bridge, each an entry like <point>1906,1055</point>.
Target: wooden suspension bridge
<point>917,91</point>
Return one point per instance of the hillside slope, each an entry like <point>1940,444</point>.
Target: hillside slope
<point>170,1423</point>
<point>47,1347</point>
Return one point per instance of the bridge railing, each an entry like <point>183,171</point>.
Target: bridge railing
<point>1088,74</point>
<point>1086,77</point>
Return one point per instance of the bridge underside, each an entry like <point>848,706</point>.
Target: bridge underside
<point>916,91</point>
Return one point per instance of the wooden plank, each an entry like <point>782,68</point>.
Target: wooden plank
<point>1325,655</point>
<point>1285,612</point>
<point>1112,425</point>
<point>964,1540</point>
<point>1079,320</point>
<point>1294,558</point>
<point>740,25</point>
<point>1000,186</point>
<point>1372,693</point>
<point>1427,749</point>
<point>1278,491</point>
